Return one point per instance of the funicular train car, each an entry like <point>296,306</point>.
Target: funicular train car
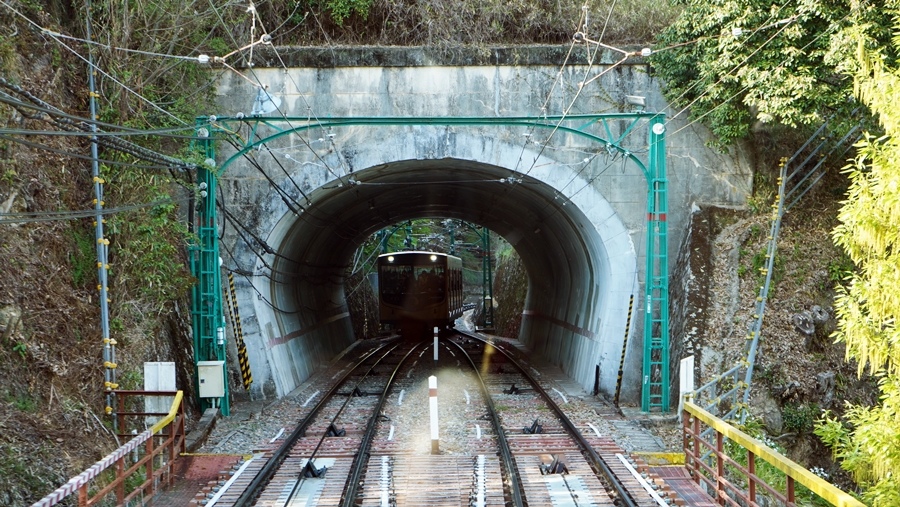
<point>419,291</point>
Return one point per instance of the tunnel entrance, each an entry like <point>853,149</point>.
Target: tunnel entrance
<point>573,276</point>
<point>306,206</point>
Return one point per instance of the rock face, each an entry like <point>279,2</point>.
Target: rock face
<point>10,323</point>
<point>510,288</point>
<point>767,409</point>
<point>803,323</point>
<point>825,383</point>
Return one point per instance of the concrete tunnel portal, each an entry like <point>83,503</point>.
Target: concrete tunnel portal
<point>580,276</point>
<point>495,138</point>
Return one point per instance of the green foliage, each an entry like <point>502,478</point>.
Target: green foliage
<point>449,25</point>
<point>840,268</point>
<point>22,402</point>
<point>767,472</point>
<point>740,64</point>
<point>20,476</point>
<point>867,444</point>
<point>800,418</point>
<point>165,92</point>
<point>83,258</point>
<point>758,263</point>
<point>340,10</point>
<point>868,302</point>
<point>21,348</point>
<point>773,375</point>
<point>131,380</point>
<point>7,54</point>
<point>147,254</point>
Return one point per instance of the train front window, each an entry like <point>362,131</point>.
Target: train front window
<point>417,285</point>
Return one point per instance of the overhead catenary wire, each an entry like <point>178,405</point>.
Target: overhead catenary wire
<point>729,73</point>
<point>773,15</point>
<point>266,36</point>
<point>293,205</point>
<point>580,36</point>
<point>259,295</point>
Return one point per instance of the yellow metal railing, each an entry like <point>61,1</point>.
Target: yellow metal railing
<point>707,462</point>
<point>150,453</point>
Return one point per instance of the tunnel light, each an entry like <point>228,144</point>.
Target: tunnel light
<point>390,258</point>
<point>433,258</point>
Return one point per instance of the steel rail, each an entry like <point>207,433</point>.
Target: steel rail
<point>515,482</point>
<point>274,463</point>
<point>299,483</point>
<point>596,461</point>
<point>359,462</point>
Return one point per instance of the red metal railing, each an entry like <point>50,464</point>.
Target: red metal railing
<point>141,465</point>
<point>730,482</point>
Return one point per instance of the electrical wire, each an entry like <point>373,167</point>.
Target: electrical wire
<point>293,205</point>
<point>91,65</point>
<point>729,73</point>
<point>297,208</point>
<point>71,154</point>
<point>112,129</point>
<point>305,101</point>
<point>56,34</point>
<point>259,294</point>
<point>54,216</point>
<point>579,37</point>
<point>699,39</point>
<point>115,143</point>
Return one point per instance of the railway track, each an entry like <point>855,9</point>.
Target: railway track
<point>504,441</point>
<point>310,460</point>
<point>558,465</point>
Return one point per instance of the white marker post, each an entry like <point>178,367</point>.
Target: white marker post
<point>685,380</point>
<point>435,343</point>
<point>432,406</point>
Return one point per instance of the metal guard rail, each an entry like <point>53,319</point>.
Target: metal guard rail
<point>728,493</point>
<point>172,441</point>
<point>728,401</point>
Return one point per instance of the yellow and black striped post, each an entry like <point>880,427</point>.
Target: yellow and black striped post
<point>624,348</point>
<point>243,360</point>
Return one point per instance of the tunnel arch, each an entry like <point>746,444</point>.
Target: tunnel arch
<point>576,249</point>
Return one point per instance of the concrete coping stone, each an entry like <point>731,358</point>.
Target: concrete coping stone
<point>421,56</point>
<point>197,437</point>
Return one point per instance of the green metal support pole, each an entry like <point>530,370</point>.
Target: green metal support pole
<point>655,380</point>
<point>408,241</point>
<point>452,237</point>
<point>206,304</point>
<point>487,288</point>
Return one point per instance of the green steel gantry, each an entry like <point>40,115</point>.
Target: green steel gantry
<point>207,313</point>
<point>207,301</point>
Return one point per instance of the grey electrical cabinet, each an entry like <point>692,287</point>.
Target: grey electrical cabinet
<point>211,378</point>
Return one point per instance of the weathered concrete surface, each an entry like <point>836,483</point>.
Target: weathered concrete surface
<point>574,210</point>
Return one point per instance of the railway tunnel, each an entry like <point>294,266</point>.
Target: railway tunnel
<point>581,268</point>
<point>570,200</point>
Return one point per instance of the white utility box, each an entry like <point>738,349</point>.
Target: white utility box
<point>211,378</point>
